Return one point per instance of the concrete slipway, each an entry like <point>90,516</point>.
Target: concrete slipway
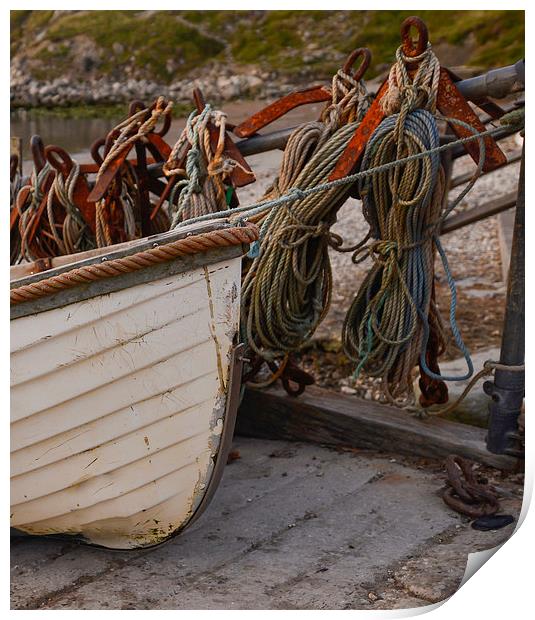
<point>292,526</point>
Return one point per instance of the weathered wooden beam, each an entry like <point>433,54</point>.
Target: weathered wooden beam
<point>333,419</point>
<point>481,212</point>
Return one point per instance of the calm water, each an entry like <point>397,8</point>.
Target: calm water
<point>77,135</point>
<point>74,135</point>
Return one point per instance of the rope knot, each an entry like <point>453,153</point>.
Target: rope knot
<point>383,248</point>
<point>298,193</point>
<point>418,91</point>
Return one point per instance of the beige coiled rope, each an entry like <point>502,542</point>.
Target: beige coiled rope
<point>287,289</point>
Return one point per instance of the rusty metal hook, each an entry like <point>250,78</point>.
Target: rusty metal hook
<point>136,106</point>
<point>199,100</point>
<point>413,48</point>
<point>38,152</point>
<point>365,55</point>
<point>59,159</point>
<point>165,126</point>
<point>95,150</point>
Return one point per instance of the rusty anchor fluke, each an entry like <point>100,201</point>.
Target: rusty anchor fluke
<point>313,94</point>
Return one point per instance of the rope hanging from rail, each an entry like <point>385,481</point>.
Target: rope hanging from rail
<point>393,324</point>
<point>287,288</point>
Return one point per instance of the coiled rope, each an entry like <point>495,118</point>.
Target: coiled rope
<point>202,191</point>
<point>286,292</point>
<point>272,206</point>
<point>74,234</point>
<point>27,204</point>
<point>387,327</point>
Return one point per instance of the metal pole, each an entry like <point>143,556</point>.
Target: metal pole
<point>497,83</point>
<point>507,389</point>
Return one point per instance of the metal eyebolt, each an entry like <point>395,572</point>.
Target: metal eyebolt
<point>411,48</point>
<point>365,55</point>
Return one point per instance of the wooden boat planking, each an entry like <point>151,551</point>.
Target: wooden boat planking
<point>123,399</point>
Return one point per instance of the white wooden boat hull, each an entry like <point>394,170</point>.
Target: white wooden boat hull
<point>118,405</point>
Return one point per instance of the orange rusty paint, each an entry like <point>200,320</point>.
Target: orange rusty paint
<point>107,176</point>
<point>14,216</point>
<point>452,104</point>
<point>160,144</point>
<point>352,154</point>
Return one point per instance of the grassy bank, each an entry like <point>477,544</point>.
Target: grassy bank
<point>166,45</point>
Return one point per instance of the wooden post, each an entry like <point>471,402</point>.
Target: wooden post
<point>15,145</point>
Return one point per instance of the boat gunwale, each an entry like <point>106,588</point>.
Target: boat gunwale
<point>84,291</point>
<point>117,251</point>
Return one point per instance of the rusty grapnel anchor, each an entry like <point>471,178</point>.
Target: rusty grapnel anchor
<point>465,494</point>
<point>450,102</point>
